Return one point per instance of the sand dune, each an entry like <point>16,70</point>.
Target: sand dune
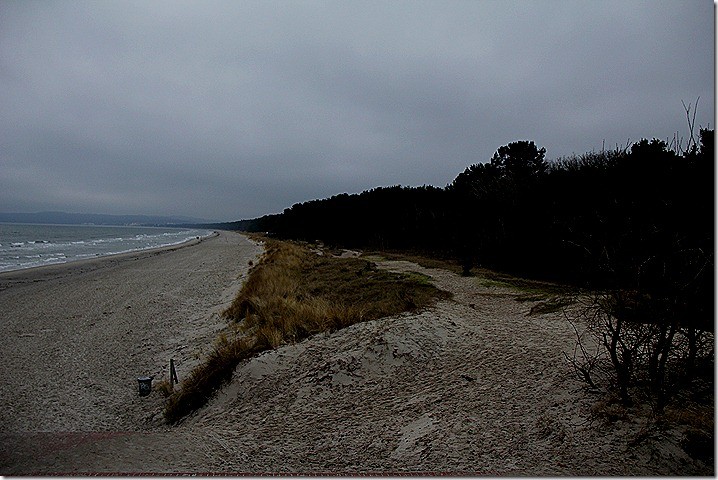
<point>473,385</point>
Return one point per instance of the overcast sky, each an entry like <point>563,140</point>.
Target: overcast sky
<point>230,110</point>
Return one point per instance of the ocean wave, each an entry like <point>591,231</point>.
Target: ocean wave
<point>59,246</point>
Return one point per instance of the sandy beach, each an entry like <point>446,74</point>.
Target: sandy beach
<point>474,385</point>
<point>75,337</point>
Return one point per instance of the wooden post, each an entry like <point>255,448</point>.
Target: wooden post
<point>173,375</point>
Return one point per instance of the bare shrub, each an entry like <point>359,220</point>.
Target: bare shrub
<point>587,359</point>
<point>642,349</point>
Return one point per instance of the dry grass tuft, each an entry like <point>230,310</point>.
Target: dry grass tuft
<point>164,388</point>
<point>289,295</point>
<point>611,409</point>
<point>698,417</point>
<point>205,379</point>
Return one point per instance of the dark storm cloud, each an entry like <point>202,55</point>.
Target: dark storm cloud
<point>230,110</point>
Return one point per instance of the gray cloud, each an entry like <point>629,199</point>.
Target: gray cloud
<point>229,110</point>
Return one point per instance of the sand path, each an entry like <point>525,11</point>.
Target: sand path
<point>473,385</point>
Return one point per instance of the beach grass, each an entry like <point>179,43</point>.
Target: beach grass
<point>293,293</point>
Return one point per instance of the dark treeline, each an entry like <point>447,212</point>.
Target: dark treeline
<point>638,218</point>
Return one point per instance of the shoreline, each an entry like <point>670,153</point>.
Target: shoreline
<point>44,272</point>
<point>77,336</point>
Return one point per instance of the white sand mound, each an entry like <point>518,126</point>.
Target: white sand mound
<point>472,385</point>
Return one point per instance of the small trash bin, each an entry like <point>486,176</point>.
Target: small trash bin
<point>145,385</point>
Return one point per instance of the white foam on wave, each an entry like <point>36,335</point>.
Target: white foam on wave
<point>17,255</point>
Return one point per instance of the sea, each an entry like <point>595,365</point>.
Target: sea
<point>32,245</point>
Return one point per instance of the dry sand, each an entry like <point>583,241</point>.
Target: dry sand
<point>75,338</point>
<point>473,385</point>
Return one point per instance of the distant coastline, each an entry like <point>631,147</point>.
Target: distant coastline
<point>64,218</point>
